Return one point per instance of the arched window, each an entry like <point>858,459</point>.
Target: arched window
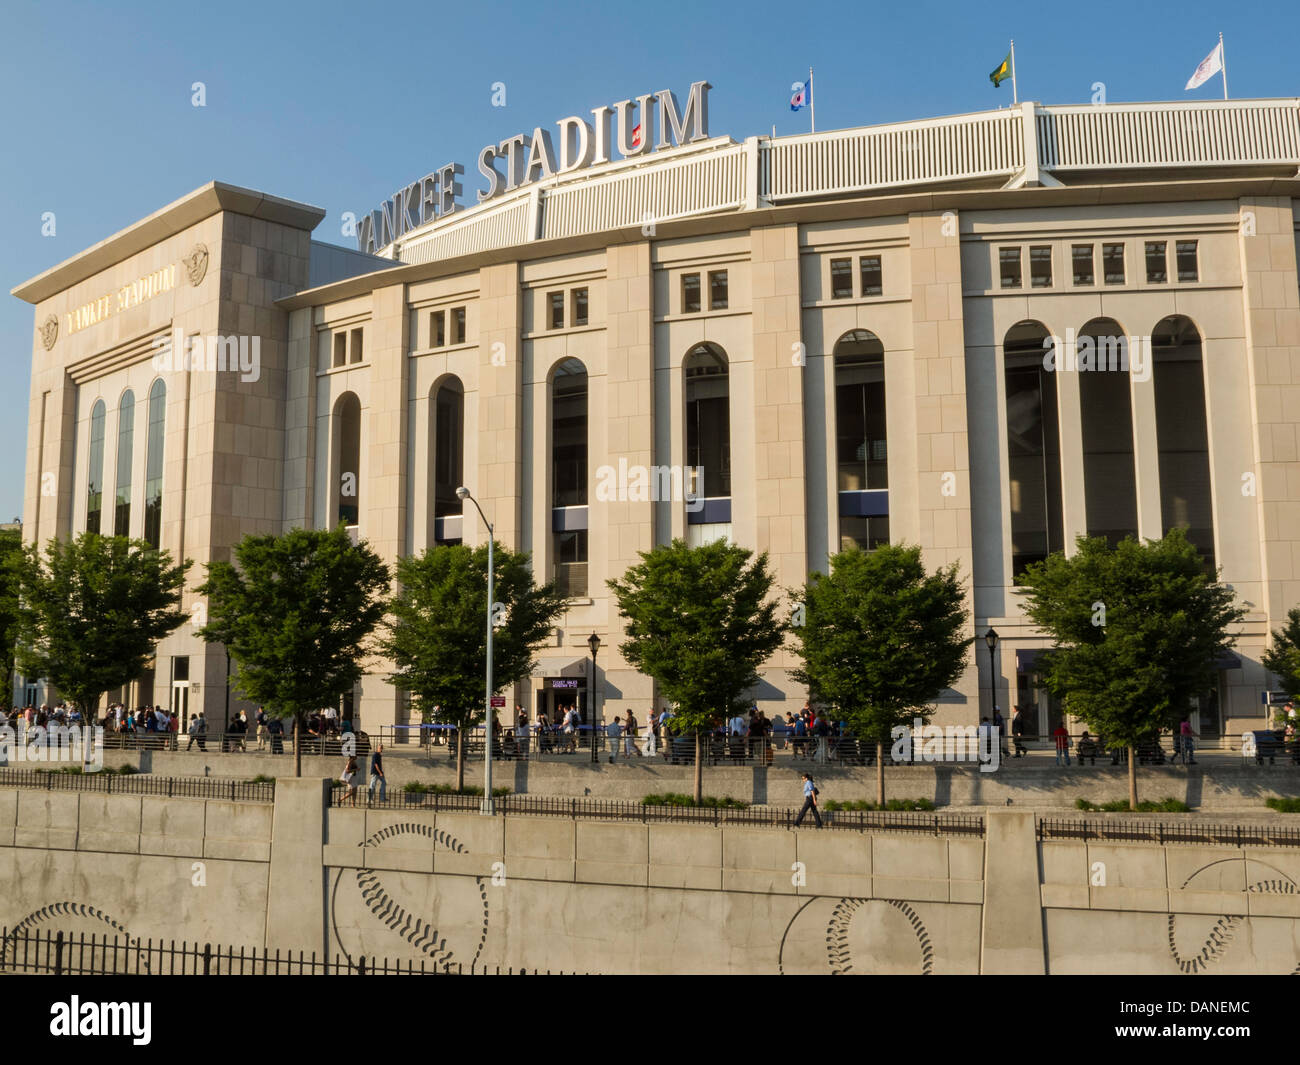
<point>1181,432</point>
<point>447,459</point>
<point>569,476</point>
<point>125,435</point>
<point>347,449</point>
<point>95,473</point>
<point>861,449</point>
<point>153,474</point>
<point>1033,446</point>
<point>708,419</point>
<point>1106,419</point>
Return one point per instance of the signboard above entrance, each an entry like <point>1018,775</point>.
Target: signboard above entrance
<point>524,158</point>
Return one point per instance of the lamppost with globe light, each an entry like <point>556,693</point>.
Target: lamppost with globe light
<point>991,641</point>
<point>488,806</point>
<point>593,642</point>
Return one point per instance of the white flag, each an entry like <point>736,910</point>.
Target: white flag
<point>1210,65</point>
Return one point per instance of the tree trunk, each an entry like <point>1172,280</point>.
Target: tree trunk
<point>460,761</point>
<point>297,743</point>
<point>699,771</point>
<point>1132,778</point>
<point>880,773</point>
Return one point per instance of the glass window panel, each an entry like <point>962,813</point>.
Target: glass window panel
<point>125,435</point>
<point>1009,267</point>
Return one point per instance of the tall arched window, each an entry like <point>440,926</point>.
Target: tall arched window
<point>708,419</point>
<point>95,472</point>
<point>861,447</point>
<point>708,444</point>
<point>447,459</point>
<point>125,435</point>
<point>153,474</point>
<point>1106,417</point>
<point>347,448</point>
<point>569,476</point>
<point>1181,433</point>
<point>1033,446</point>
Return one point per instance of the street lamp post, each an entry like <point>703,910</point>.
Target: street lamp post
<point>593,642</point>
<point>488,807</point>
<point>991,641</point>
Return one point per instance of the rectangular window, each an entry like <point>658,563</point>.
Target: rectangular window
<point>579,306</point>
<point>1157,265</point>
<point>871,277</point>
<point>1081,256</point>
<point>841,279</point>
<point>1112,263</point>
<point>438,329</point>
<point>1187,267</point>
<point>458,325</point>
<point>557,310</point>
<point>1009,267</point>
<point>571,563</point>
<point>356,345</point>
<point>717,290</point>
<point>1040,266</point>
<point>690,293</point>
<point>340,349</point>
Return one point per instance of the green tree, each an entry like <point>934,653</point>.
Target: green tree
<point>11,550</point>
<point>700,622</point>
<point>90,612</point>
<point>437,631</point>
<point>1137,628</point>
<point>295,612</point>
<point>880,640</point>
<point>1283,658</point>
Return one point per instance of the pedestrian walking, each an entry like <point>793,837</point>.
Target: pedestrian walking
<point>652,734</point>
<point>613,730</point>
<point>262,733</point>
<point>1000,723</point>
<point>1062,737</point>
<point>377,774</point>
<point>1018,731</point>
<point>810,794</point>
<point>629,735</point>
<point>1188,737</point>
<point>349,778</point>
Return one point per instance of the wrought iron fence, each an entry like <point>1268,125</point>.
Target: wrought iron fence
<point>141,784</point>
<point>1190,831</point>
<point>55,952</point>
<point>923,822</point>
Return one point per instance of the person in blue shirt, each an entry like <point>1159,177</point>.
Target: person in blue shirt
<point>809,802</point>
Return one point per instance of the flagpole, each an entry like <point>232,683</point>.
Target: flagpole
<point>812,102</point>
<point>1223,63</point>
<point>1015,95</point>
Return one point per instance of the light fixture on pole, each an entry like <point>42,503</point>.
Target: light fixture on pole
<point>488,807</point>
<point>991,641</point>
<point>593,642</point>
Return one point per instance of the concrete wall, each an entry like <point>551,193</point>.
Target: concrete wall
<point>592,896</point>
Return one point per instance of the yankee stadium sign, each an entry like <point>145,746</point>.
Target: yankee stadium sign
<point>523,159</point>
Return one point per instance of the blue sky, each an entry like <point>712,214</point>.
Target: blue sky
<point>339,105</point>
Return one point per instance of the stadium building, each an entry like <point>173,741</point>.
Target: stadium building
<point>986,334</point>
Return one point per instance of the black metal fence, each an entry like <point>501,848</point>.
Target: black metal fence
<point>626,810</point>
<point>141,784</point>
<point>1190,831</point>
<point>54,952</point>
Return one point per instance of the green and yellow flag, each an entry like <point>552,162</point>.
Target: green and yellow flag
<point>1002,73</point>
